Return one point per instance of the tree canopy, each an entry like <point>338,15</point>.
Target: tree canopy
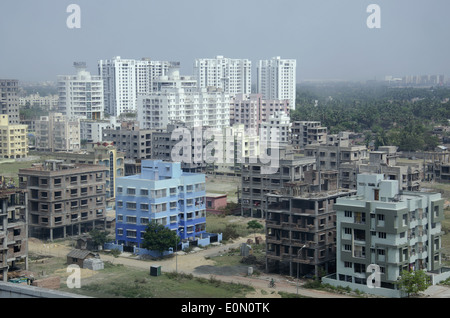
<point>413,282</point>
<point>159,238</point>
<point>400,116</point>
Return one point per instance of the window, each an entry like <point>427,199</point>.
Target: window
<point>348,214</point>
<point>144,191</point>
<point>131,219</point>
<point>131,205</point>
<point>131,191</point>
<point>144,206</point>
<point>131,233</point>
<point>382,235</point>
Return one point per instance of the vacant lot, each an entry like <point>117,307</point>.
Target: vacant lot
<point>223,184</point>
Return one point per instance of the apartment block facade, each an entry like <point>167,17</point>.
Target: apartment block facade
<point>233,76</point>
<point>277,128</point>
<point>64,199</point>
<point>129,138</point>
<point>13,139</point>
<point>164,194</point>
<point>56,132</point>
<point>9,100</point>
<point>13,229</point>
<point>81,95</point>
<point>251,110</point>
<point>392,229</point>
<point>105,154</point>
<point>276,79</point>
<point>178,99</point>
<point>125,79</point>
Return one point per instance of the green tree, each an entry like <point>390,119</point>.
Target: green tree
<point>254,225</point>
<point>159,238</point>
<point>99,237</point>
<point>413,282</point>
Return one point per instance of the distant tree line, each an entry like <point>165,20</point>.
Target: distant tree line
<point>403,117</point>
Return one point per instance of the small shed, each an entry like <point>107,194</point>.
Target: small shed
<point>77,256</point>
<point>215,201</point>
<point>94,264</point>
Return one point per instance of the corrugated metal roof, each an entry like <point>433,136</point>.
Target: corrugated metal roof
<point>76,253</point>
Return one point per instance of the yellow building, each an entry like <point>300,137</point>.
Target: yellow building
<point>14,141</point>
<point>99,153</point>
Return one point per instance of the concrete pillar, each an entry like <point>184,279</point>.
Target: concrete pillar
<point>51,234</point>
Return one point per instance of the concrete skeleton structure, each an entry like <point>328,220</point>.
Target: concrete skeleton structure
<point>256,183</point>
<point>305,133</point>
<point>13,228</point>
<point>301,225</point>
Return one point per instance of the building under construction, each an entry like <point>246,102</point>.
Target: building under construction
<point>13,228</point>
<point>301,226</point>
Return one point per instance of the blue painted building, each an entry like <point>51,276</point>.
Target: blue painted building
<point>164,193</point>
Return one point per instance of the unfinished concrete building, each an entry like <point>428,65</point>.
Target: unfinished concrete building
<point>64,199</point>
<point>307,132</point>
<point>135,142</point>
<point>384,161</point>
<point>255,184</point>
<point>13,229</point>
<point>301,228</point>
<point>437,166</point>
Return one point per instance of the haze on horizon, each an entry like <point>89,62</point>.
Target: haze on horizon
<point>329,39</point>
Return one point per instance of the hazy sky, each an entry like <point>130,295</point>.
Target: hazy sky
<point>329,38</point>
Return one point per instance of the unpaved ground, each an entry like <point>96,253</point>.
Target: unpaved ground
<point>197,263</point>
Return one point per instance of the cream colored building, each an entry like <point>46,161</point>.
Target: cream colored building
<point>14,141</point>
<point>55,132</point>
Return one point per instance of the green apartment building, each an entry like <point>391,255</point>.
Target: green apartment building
<point>384,229</point>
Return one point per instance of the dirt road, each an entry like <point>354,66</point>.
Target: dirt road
<point>199,264</point>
